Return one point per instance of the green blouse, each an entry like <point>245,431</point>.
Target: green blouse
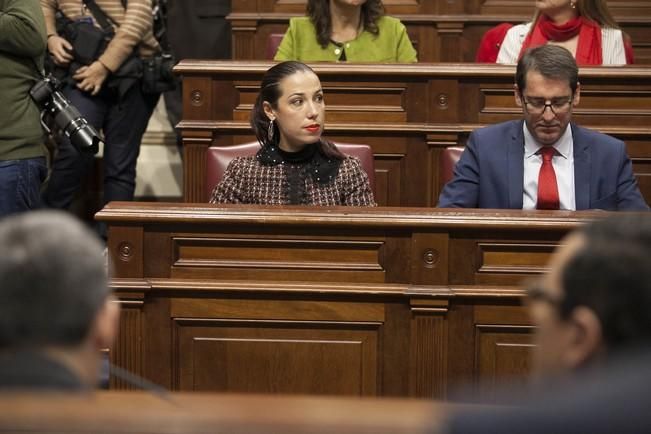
<point>390,45</point>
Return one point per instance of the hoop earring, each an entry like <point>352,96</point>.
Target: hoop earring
<point>270,131</point>
<point>573,4</point>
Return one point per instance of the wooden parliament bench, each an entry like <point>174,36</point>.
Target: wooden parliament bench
<point>402,302</point>
<point>176,413</point>
<point>440,30</point>
<point>408,114</point>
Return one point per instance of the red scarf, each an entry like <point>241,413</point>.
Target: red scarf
<point>588,50</point>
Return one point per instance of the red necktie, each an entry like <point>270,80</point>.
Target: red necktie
<point>547,187</point>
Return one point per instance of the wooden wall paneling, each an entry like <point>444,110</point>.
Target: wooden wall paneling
<point>490,261</point>
<point>639,34</point>
<point>409,6</point>
<point>159,342</point>
<point>445,104</point>
<point>429,258</point>
<point>503,357</point>
<point>497,259</point>
<point>415,186</point>
<point>503,346</point>
<point>460,343</point>
<point>158,252</point>
<point>125,247</point>
<point>244,41</point>
<point>198,98</point>
<point>494,101</point>
<point>429,348</point>
<point>194,166</point>
<point>316,358</point>
<point>278,343</point>
<point>286,6</point>
<point>395,349</point>
<point>450,38</point>
<point>628,104</point>
<point>247,5</point>
<point>280,254</point>
<point>127,352</point>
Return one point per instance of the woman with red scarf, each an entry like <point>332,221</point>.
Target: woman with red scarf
<point>584,27</point>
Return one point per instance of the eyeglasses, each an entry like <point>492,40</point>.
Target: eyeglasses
<point>537,106</point>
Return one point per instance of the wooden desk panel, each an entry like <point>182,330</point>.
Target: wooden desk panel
<point>434,310</point>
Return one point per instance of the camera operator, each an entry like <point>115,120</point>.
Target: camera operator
<point>22,151</point>
<point>105,90</point>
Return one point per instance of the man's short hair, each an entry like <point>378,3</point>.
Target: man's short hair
<point>611,275</point>
<point>52,280</point>
<point>550,61</point>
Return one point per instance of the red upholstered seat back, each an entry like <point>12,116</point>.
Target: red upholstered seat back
<point>218,157</point>
<point>491,42</point>
<point>449,158</point>
<point>273,41</point>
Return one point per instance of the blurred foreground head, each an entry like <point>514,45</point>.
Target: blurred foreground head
<point>54,297</point>
<point>595,301</point>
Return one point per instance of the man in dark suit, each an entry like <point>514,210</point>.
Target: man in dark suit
<point>196,29</point>
<point>56,310</point>
<point>544,161</point>
<point>592,338</point>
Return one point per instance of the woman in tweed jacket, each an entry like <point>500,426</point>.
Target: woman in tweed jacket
<point>295,165</point>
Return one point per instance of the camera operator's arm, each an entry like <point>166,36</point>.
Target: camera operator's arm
<point>60,49</point>
<point>135,28</point>
<point>22,28</point>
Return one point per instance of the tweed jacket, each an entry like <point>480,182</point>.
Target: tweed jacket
<point>247,180</point>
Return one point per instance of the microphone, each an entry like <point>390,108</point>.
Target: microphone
<point>141,383</point>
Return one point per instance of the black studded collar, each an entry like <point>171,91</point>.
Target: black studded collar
<point>321,168</point>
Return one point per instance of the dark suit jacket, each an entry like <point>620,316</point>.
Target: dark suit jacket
<point>196,29</point>
<point>490,172</point>
<point>612,399</point>
<point>33,370</point>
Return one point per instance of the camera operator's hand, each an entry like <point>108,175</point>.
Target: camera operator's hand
<point>61,50</point>
<point>90,78</point>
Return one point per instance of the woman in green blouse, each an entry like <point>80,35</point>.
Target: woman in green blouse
<point>346,30</point>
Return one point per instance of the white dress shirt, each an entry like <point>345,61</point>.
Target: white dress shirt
<point>563,163</point>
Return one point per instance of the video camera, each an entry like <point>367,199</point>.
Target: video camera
<point>57,108</point>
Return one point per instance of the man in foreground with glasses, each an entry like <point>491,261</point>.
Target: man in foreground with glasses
<point>592,341</point>
<point>540,163</point>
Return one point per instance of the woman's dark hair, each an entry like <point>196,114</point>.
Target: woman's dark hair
<point>270,92</point>
<point>319,13</point>
<point>594,10</point>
